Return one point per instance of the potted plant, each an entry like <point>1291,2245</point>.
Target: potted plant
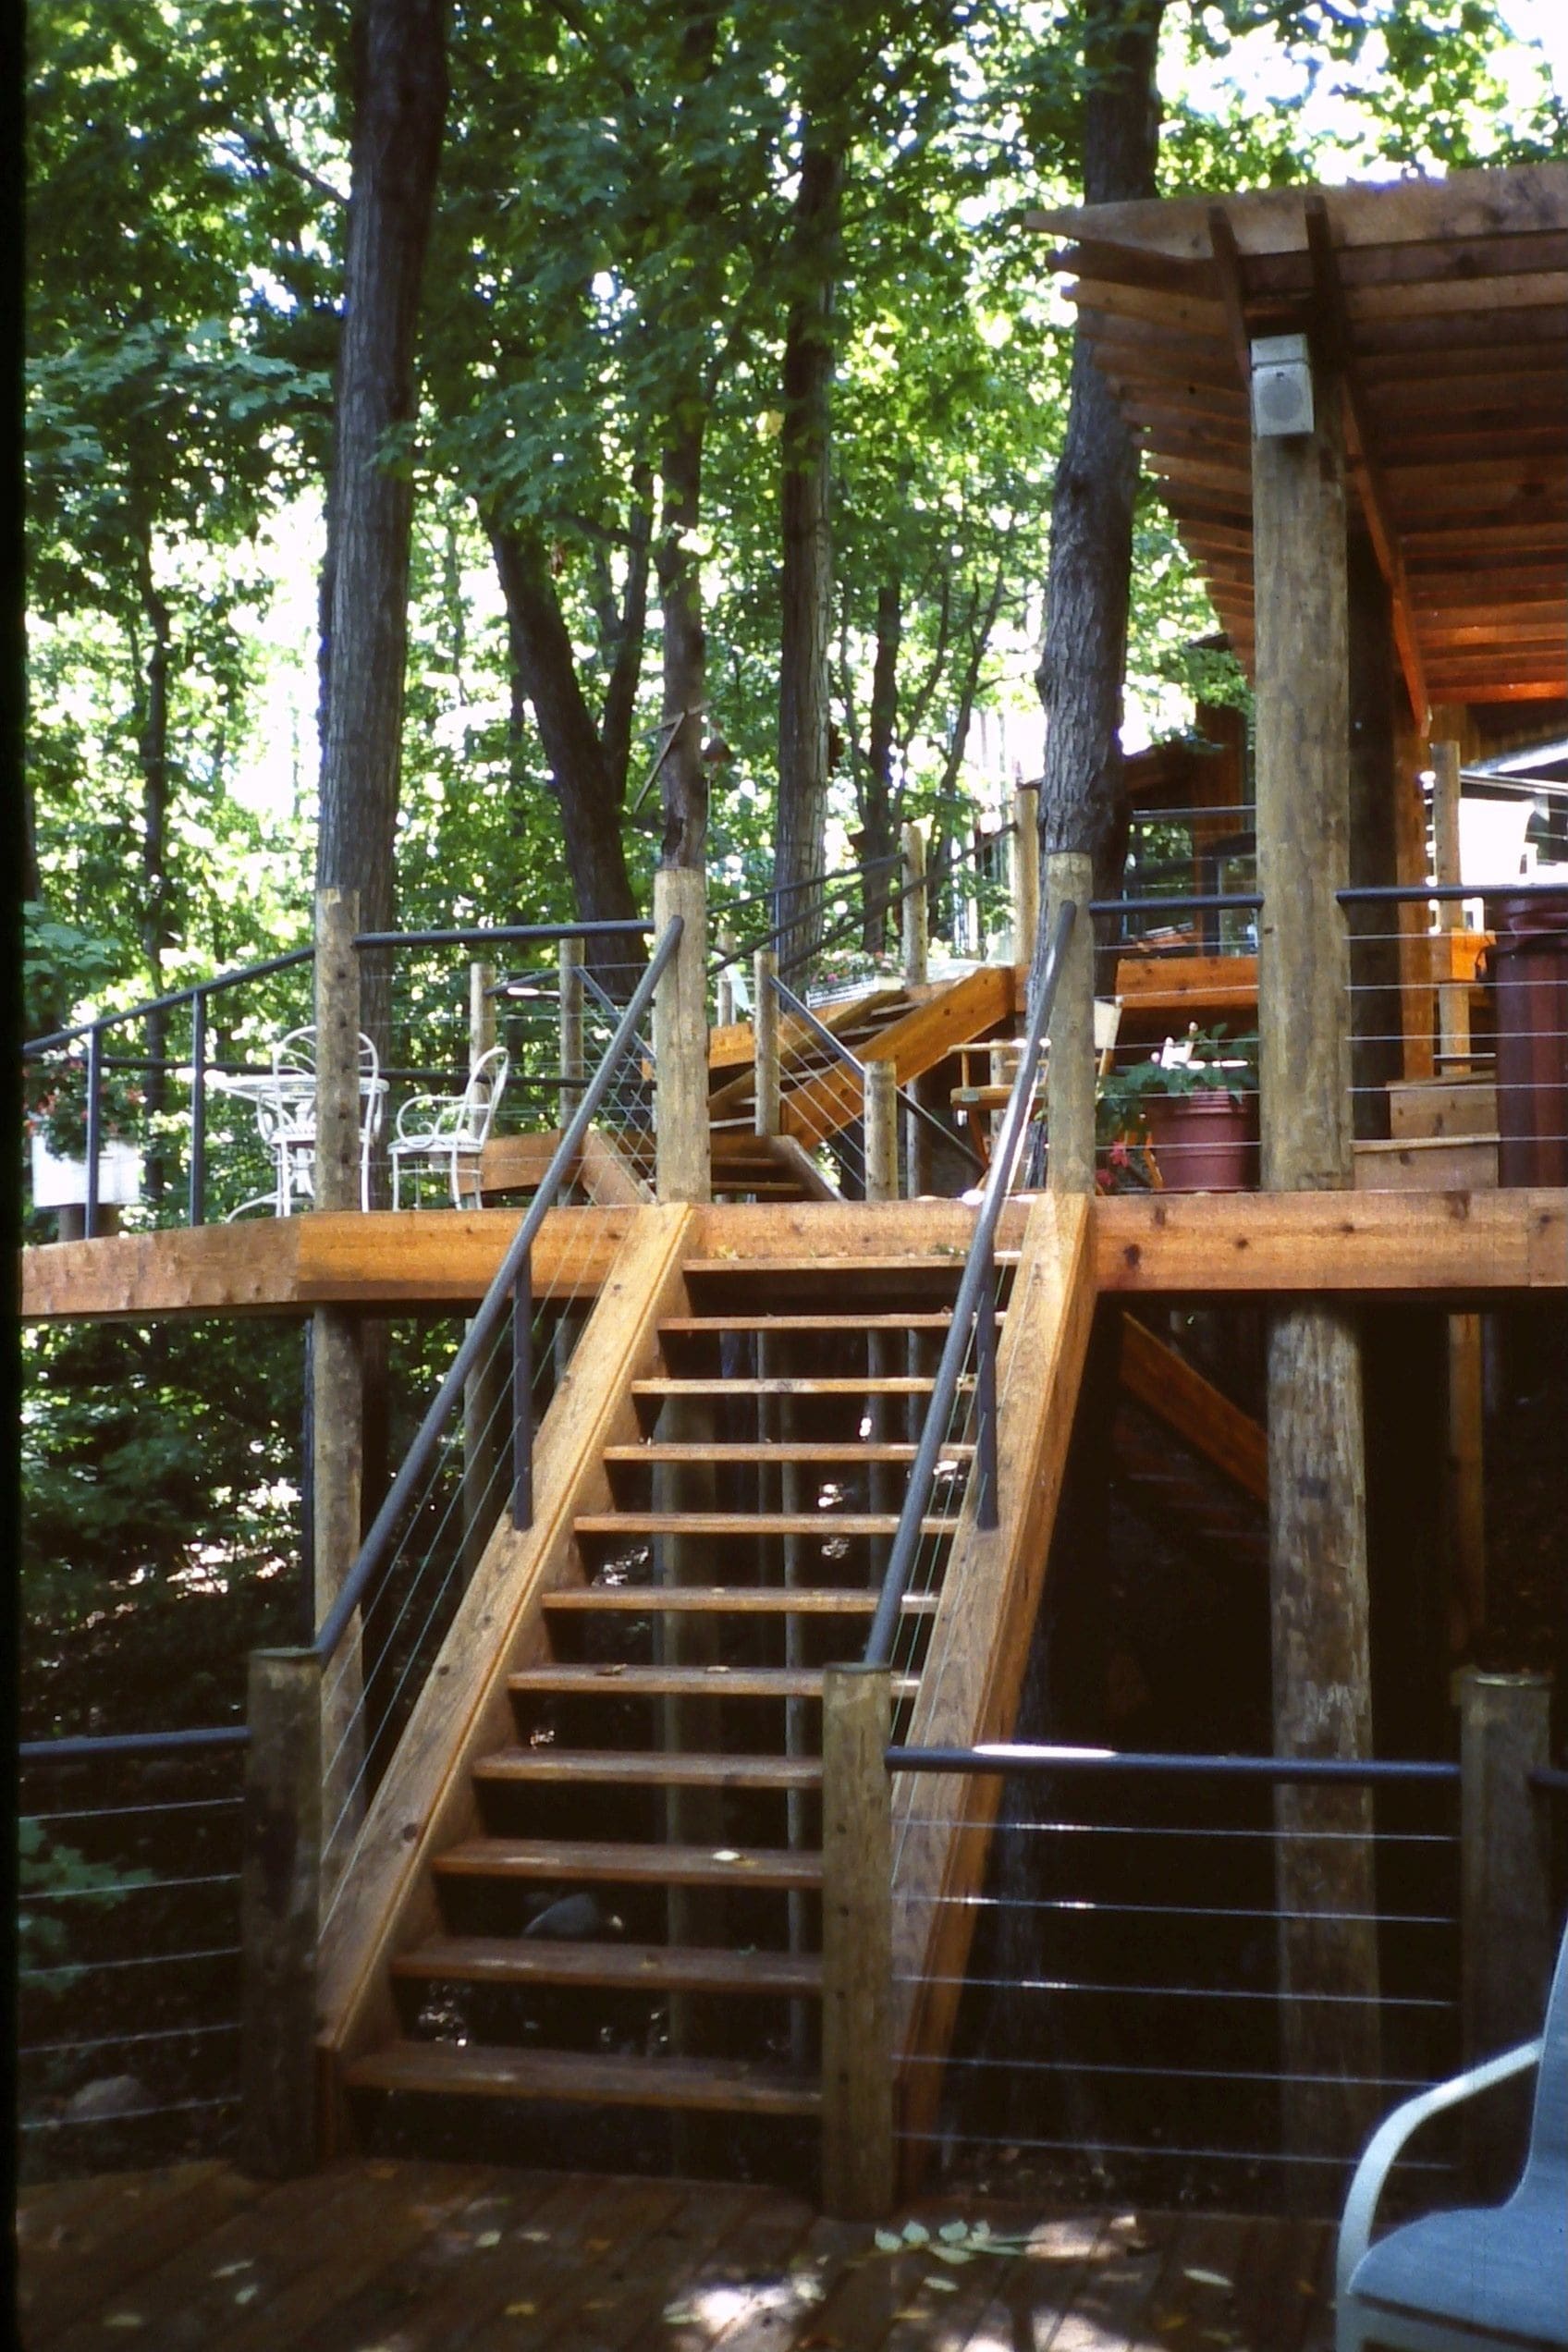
<point>57,1123</point>
<point>1184,1120</point>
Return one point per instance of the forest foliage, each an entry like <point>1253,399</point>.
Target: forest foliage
<point>620,254</point>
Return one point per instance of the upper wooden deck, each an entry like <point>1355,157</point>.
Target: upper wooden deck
<point>1439,1246</point>
<point>422,2256</point>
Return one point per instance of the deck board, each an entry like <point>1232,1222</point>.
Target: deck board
<point>428,2255</point>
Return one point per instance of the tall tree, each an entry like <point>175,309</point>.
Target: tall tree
<point>399,111</point>
<point>1081,672</point>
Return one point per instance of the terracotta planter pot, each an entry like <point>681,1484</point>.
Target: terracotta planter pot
<point>1204,1142</point>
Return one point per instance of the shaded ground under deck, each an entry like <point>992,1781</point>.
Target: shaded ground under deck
<point>372,2256</point>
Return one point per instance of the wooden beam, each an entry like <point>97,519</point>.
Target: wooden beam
<point>1201,1414</point>
<point>1460,1245</point>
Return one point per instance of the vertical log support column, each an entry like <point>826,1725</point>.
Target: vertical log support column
<point>574,1063</point>
<point>1454,995</point>
<point>279,1900</point>
<point>682,1162</point>
<point>1316,1456</point>
<point>485,1389</point>
<point>858,2172</point>
<point>917,909</point>
<point>1070,1072</point>
<point>764,1033</point>
<point>881,1132</point>
<point>1505,1730</point>
<point>1025,871</point>
<point>336,1365</point>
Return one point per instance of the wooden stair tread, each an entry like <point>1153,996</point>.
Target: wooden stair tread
<point>765,1450</point>
<point>627,1862</point>
<point>682,1682</point>
<point>661,1767</point>
<point>896,1384</point>
<point>698,1326</point>
<point>521,1960</point>
<point>871,1262</point>
<point>750,1523</point>
<point>443,2067</point>
<point>730,1600</point>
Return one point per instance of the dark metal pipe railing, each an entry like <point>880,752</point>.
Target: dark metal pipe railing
<point>1035,1761</point>
<point>977,1287</point>
<point>88,1747</point>
<point>503,1289</point>
<point>1190,902</point>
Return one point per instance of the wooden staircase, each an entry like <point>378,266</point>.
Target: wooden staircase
<point>591,1879</point>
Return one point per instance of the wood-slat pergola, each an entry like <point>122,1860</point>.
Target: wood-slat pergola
<point>1442,308</point>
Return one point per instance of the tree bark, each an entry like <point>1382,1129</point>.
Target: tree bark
<point>400,59</point>
<point>683,777</point>
<point>1079,677</point>
<point>881,806</point>
<point>807,547</point>
<point>586,790</point>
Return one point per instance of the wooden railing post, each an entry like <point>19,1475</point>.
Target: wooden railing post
<point>1505,1900</point>
<point>857,2168</point>
<point>682,1158</point>
<point>574,1063</point>
<point>1025,871</point>
<point>279,1907</point>
<point>1069,1076</point>
<point>917,912</point>
<point>765,1032</point>
<point>881,1132</point>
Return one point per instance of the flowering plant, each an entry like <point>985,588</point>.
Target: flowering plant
<point>1206,1062</point>
<point>58,1107</point>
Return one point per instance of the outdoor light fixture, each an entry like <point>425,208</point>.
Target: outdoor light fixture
<point>1281,386</point>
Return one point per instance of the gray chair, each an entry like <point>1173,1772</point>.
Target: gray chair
<point>1460,2282</point>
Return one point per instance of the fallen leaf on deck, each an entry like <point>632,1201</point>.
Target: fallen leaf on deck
<point>521,2310</point>
<point>942,2285</point>
<point>248,2294</point>
<point>1207,2278</point>
<point>231,2269</point>
<point>488,2237</point>
<point>124,2319</point>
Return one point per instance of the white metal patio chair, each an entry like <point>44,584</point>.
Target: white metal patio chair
<point>1487,2276</point>
<point>445,1134</point>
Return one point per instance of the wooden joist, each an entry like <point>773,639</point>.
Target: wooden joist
<point>1176,1393</point>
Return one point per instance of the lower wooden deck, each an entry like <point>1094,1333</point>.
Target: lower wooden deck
<point>1453,1247</point>
<point>401,2257</point>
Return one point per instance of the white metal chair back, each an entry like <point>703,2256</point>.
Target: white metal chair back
<point>445,1134</point>
<point>290,1112</point>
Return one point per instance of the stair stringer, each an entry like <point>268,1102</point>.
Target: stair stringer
<point>1165,1385</point>
<point>426,1801</point>
<point>954,1017</point>
<point>980,1638</point>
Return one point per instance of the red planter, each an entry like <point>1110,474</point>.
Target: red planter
<point>1204,1142</point>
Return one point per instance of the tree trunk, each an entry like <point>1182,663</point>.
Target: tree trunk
<point>1081,672</point>
<point>624,636</point>
<point>152,753</point>
<point>683,777</point>
<point>590,802</point>
<point>881,805</point>
<point>807,578</point>
<point>400,60</point>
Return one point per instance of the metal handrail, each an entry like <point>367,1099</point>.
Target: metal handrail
<point>1026,1759</point>
<point>512,1286</point>
<point>975,1306</point>
<point>802,1012</point>
<point>82,1749</point>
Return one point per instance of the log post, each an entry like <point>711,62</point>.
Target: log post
<point>1505,1728</point>
<point>279,1902</point>
<point>575,1062</point>
<point>338,1363</point>
<point>881,1132</point>
<point>1025,871</point>
<point>857,2169</point>
<point>682,1159</point>
<point>764,1033</point>
<point>1070,1079</point>
<point>1324,1875</point>
<point>917,911</point>
<point>1454,995</point>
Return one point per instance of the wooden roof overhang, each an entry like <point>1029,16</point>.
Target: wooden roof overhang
<point>1443,305</point>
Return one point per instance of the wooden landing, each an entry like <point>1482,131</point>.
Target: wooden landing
<point>425,2256</point>
<point>1456,1246</point>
